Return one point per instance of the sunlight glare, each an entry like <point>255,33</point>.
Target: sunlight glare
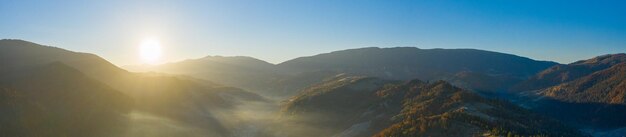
<point>150,51</point>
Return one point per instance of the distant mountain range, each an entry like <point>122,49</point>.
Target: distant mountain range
<point>409,62</point>
<point>245,72</point>
<point>496,71</point>
<point>402,91</point>
<point>461,66</point>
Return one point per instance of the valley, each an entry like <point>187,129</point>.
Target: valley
<point>403,91</point>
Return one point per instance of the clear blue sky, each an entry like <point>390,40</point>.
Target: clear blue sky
<point>275,31</point>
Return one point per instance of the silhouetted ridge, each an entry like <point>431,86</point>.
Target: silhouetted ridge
<point>15,54</point>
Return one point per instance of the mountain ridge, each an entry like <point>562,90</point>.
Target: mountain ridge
<point>362,106</point>
<point>460,66</point>
<point>565,73</point>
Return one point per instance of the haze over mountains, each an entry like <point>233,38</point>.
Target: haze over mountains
<point>405,91</point>
<point>154,98</point>
<point>497,71</point>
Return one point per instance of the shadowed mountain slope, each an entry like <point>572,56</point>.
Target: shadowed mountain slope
<point>57,100</point>
<point>162,97</point>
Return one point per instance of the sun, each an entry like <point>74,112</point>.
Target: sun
<point>150,51</point>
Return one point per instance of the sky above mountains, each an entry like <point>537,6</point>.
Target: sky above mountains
<point>275,31</point>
